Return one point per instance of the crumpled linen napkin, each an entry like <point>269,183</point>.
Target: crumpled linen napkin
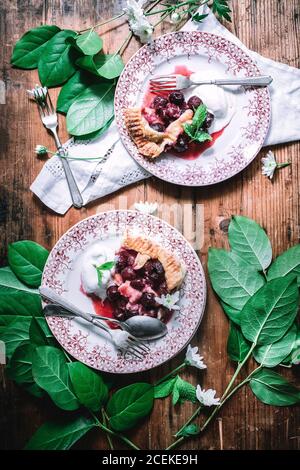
<point>118,169</point>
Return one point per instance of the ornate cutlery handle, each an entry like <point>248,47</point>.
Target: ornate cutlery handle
<point>246,81</point>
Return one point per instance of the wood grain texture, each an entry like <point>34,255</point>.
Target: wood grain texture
<point>270,27</point>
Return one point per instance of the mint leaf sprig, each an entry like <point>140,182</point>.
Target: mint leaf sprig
<point>103,267</point>
<point>195,130</point>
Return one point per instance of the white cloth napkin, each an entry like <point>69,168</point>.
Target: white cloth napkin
<point>118,169</point>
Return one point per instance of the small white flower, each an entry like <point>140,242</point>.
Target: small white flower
<point>269,165</point>
<point>193,358</point>
<point>169,301</point>
<point>41,150</point>
<point>146,207</point>
<point>138,22</point>
<point>38,93</point>
<point>207,397</point>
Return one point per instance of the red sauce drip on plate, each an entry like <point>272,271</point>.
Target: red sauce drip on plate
<point>103,308</point>
<point>183,70</point>
<point>196,149</point>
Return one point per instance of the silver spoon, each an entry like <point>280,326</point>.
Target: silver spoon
<point>140,326</point>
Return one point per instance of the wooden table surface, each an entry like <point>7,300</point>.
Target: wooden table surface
<point>270,27</point>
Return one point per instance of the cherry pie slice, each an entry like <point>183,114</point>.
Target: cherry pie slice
<point>144,272</point>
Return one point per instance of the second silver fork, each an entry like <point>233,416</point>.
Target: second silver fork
<point>50,121</point>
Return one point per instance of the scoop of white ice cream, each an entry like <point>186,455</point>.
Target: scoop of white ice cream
<point>219,102</point>
<point>96,255</point>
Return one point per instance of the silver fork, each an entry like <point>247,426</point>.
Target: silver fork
<point>50,121</point>
<point>176,82</point>
<point>130,344</point>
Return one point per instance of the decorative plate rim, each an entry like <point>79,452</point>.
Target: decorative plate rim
<point>152,167</point>
<point>148,367</point>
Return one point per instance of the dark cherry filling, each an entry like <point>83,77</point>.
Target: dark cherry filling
<point>163,110</point>
<point>135,290</point>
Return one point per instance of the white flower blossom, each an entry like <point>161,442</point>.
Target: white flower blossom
<point>269,165</point>
<point>138,22</point>
<point>146,207</point>
<point>193,358</point>
<point>169,301</point>
<point>38,93</point>
<point>207,397</point>
<point>41,150</point>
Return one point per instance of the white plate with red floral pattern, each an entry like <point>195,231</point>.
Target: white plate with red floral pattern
<point>236,144</point>
<point>62,273</point>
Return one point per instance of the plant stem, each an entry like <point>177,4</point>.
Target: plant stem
<point>112,433</point>
<point>104,418</point>
<point>283,165</point>
<point>175,443</point>
<point>240,366</point>
<point>170,374</point>
<point>124,44</point>
<point>190,420</point>
<point>110,20</point>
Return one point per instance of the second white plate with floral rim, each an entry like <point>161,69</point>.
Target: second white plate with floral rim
<point>62,274</point>
<point>243,137</point>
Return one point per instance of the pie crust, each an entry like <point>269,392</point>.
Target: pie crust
<point>149,142</point>
<point>174,269</point>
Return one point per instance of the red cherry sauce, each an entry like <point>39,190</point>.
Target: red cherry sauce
<point>101,307</point>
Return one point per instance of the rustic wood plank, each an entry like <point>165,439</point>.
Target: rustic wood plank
<point>272,28</point>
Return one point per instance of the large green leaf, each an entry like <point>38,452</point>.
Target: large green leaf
<point>129,404</point>
<point>89,387</point>
<point>72,89</point>
<point>270,313</point>
<point>15,297</point>
<point>27,260</point>
<point>92,109</point>
<point>233,279</point>
<point>89,43</point>
<point>271,355</point>
<point>288,262</point>
<point>250,241</point>
<point>50,372</point>
<point>31,45</point>
<point>39,332</point>
<point>20,365</point>
<point>108,66</point>
<point>16,333</point>
<point>56,64</point>
<point>237,346</point>
<point>60,435</point>
<point>273,389</point>
<point>164,389</point>
<point>232,313</point>
<point>96,134</point>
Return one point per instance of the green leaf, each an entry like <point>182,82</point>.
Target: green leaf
<point>271,355</point>
<point>194,130</point>
<point>34,390</point>
<point>222,9</point>
<point>91,110</point>
<point>20,365</point>
<point>50,372</point>
<point>199,18</point>
<point>164,389</point>
<point>273,389</point>
<point>250,241</point>
<point>232,313</point>
<point>89,387</point>
<point>27,260</point>
<point>60,435</point>
<point>56,64</point>
<point>232,278</point>
<point>108,66</point>
<point>96,134</point>
<point>31,45</point>
<point>72,89</point>
<point>88,43</point>
<point>37,334</point>
<point>287,263</point>
<point>183,391</point>
<point>190,430</point>
<point>129,404</point>
<point>237,346</point>
<point>16,297</point>
<point>270,313</point>
<point>16,333</point>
